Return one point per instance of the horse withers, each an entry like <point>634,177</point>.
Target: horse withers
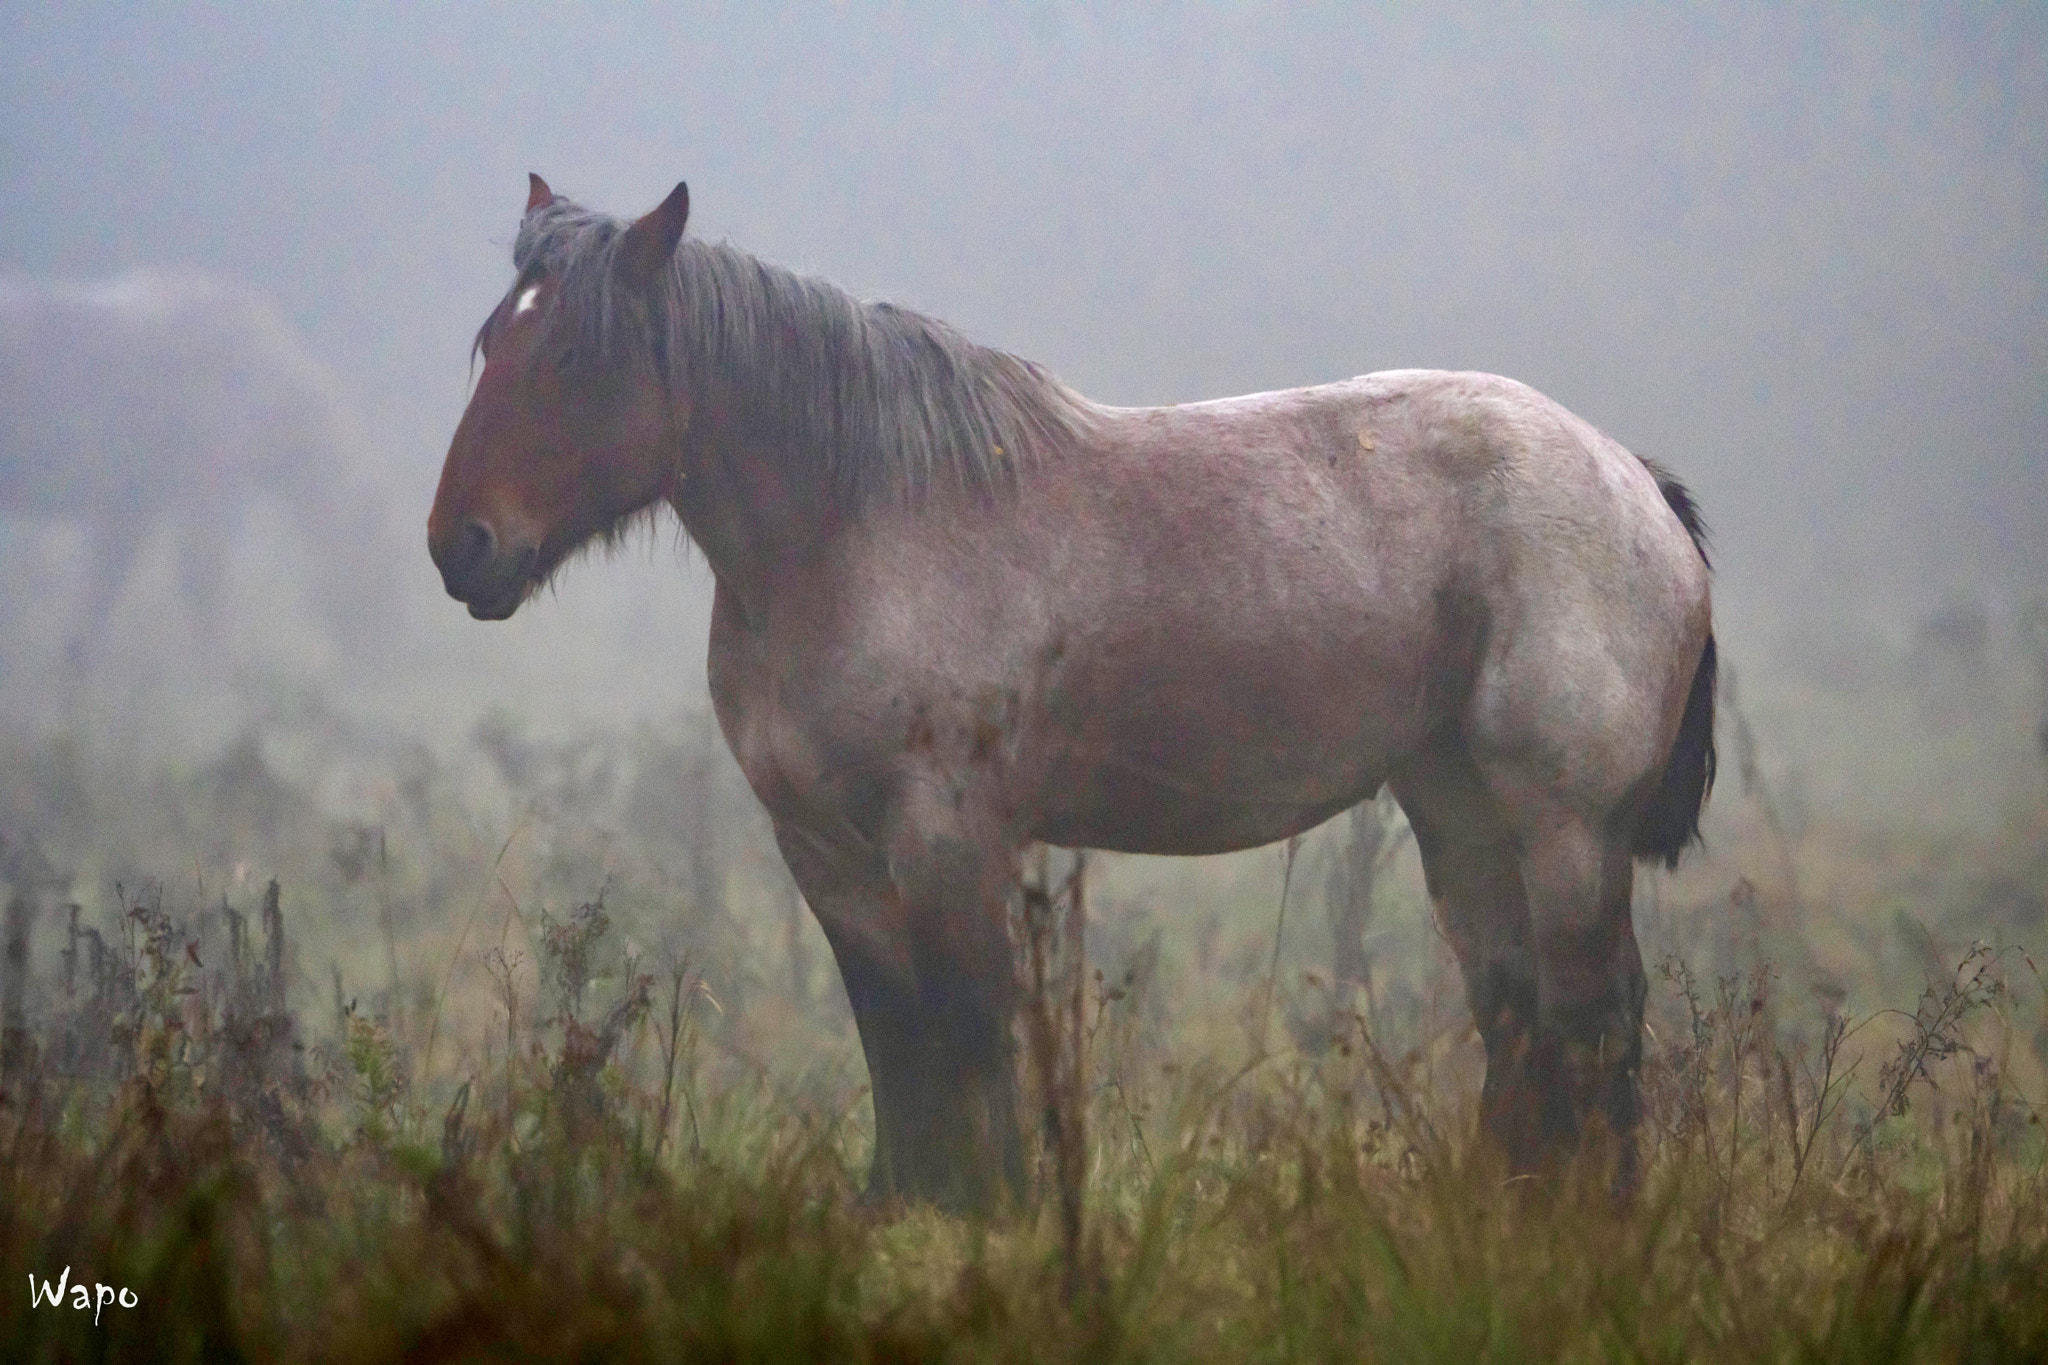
<point>961,608</point>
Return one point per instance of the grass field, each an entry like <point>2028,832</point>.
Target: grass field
<point>569,1077</point>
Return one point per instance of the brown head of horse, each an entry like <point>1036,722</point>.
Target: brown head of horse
<point>960,609</point>
<point>565,437</point>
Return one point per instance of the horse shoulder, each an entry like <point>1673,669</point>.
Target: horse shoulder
<point>886,657</point>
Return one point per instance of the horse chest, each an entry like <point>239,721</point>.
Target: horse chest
<point>804,732</point>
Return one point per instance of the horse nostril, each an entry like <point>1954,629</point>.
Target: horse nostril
<point>479,544</point>
<point>476,566</point>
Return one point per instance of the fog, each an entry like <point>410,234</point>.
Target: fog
<point>514,896</point>
<point>1800,257</point>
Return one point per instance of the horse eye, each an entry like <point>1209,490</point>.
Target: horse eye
<point>566,360</point>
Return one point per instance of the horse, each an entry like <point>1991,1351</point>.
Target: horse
<point>960,609</point>
<point>166,403</point>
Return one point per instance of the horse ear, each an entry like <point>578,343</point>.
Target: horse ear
<point>538,195</point>
<point>650,243</point>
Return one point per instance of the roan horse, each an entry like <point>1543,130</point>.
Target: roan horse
<point>163,408</point>
<point>961,608</point>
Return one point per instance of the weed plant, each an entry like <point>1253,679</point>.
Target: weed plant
<point>501,1131</point>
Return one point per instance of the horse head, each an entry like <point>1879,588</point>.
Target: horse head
<point>573,427</point>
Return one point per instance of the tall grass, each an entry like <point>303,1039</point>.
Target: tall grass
<point>273,1202</point>
<point>507,1115</point>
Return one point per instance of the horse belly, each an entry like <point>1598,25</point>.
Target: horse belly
<point>1174,824</point>
<point>1212,759</point>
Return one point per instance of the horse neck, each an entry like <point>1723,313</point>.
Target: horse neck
<point>755,506</point>
<point>748,503</point>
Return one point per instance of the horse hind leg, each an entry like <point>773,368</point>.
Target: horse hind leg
<point>1565,740</point>
<point>1474,881</point>
<point>1590,987</point>
<point>1539,914</point>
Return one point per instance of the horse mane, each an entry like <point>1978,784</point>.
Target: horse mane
<point>889,400</point>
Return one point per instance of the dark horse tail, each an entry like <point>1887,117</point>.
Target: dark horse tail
<point>1671,822</point>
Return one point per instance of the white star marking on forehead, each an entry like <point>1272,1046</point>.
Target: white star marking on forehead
<point>525,300</point>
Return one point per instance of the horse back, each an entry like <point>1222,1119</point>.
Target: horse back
<point>1204,627</point>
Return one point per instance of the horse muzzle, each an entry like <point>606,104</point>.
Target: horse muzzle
<point>481,571</point>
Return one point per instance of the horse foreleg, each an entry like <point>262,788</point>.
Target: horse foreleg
<point>930,982</point>
<point>959,1103</point>
<point>846,884</point>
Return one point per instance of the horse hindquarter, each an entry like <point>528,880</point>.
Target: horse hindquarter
<point>1598,604</point>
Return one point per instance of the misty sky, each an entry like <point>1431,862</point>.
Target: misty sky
<point>1801,257</point>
